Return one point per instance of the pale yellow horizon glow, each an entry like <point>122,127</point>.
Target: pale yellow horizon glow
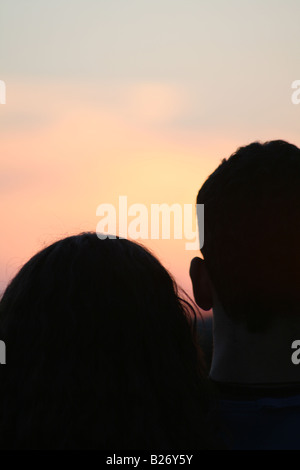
<point>76,155</point>
<point>142,99</point>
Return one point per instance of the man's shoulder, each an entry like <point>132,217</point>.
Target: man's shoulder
<point>260,417</point>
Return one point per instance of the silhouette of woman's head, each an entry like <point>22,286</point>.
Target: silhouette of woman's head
<point>100,353</point>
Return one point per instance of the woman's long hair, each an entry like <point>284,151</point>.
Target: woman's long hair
<point>100,353</point>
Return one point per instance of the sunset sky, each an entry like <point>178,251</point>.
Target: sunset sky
<point>132,97</point>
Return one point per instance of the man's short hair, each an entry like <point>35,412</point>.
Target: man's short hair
<point>252,232</point>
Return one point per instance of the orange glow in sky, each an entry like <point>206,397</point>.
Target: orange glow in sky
<point>140,101</point>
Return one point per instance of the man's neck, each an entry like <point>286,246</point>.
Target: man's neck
<point>254,358</point>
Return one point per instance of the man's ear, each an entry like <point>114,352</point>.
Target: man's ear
<point>201,284</point>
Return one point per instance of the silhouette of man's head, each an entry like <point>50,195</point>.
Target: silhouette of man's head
<point>252,233</point>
